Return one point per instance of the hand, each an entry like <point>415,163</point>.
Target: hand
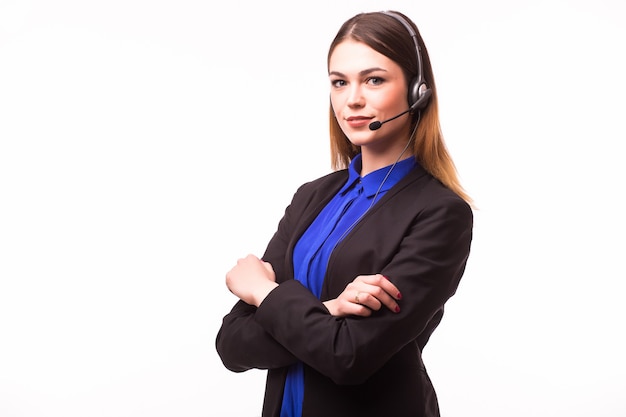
<point>365,294</point>
<point>251,280</point>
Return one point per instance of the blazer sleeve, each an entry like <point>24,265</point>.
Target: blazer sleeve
<point>426,263</point>
<point>242,343</point>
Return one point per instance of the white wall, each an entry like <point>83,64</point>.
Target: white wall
<point>144,146</point>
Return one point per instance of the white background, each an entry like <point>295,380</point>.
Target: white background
<point>146,145</point>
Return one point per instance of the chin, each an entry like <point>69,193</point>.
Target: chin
<point>361,137</point>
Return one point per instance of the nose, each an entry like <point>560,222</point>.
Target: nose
<point>355,98</point>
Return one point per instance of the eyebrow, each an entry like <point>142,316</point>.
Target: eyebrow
<point>361,73</point>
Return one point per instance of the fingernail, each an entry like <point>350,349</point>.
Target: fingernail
<point>397,309</point>
<point>399,296</point>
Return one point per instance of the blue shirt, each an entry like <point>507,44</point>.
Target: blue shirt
<point>314,248</point>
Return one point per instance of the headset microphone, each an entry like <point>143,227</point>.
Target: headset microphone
<point>423,98</point>
<point>377,124</point>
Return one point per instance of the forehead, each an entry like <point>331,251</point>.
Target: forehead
<point>352,56</point>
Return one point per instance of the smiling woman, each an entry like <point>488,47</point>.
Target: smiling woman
<point>355,278</point>
<point>366,86</point>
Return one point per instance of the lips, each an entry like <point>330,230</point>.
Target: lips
<point>358,121</point>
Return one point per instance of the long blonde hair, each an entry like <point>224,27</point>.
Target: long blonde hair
<point>387,35</point>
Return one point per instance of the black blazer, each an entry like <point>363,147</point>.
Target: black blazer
<point>418,235</point>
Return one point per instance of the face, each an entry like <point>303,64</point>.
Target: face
<point>366,86</point>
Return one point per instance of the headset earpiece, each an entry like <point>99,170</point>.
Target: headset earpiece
<point>419,93</point>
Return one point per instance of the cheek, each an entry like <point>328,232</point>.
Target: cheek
<point>392,101</point>
<point>335,103</point>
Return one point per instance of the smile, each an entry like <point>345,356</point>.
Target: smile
<point>358,121</point>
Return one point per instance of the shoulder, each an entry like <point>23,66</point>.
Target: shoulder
<point>320,188</point>
<point>421,194</point>
<point>332,179</point>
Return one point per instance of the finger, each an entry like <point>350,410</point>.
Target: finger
<point>376,291</point>
<point>381,281</point>
<point>361,311</point>
<point>342,307</point>
<point>389,287</point>
<point>377,297</point>
<point>358,307</point>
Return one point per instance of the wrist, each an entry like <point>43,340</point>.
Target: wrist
<point>263,292</point>
<point>330,306</point>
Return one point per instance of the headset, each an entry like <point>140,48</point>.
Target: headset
<point>418,93</point>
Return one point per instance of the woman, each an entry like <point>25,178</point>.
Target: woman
<point>355,279</point>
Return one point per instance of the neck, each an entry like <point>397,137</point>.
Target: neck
<point>372,161</point>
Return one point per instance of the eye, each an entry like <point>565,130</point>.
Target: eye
<point>337,83</point>
<point>375,80</point>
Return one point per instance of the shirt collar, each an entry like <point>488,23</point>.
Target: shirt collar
<point>371,182</point>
